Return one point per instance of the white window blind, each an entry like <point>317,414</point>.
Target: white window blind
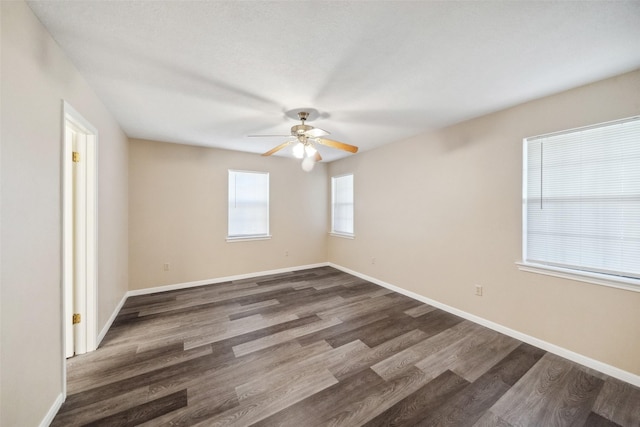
<point>582,199</point>
<point>342,204</point>
<point>248,204</point>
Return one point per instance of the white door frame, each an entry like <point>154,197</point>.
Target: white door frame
<point>88,317</point>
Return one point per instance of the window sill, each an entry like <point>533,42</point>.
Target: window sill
<point>343,235</point>
<point>582,276</point>
<point>247,238</point>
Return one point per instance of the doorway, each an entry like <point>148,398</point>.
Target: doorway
<point>79,233</point>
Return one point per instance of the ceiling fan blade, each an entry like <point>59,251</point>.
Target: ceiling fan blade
<point>316,132</point>
<point>318,157</point>
<point>339,145</point>
<point>278,148</point>
<point>263,136</point>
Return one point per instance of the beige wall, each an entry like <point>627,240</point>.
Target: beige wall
<point>441,212</point>
<point>36,77</point>
<point>178,214</point>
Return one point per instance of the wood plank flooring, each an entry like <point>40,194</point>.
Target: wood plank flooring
<point>322,348</point>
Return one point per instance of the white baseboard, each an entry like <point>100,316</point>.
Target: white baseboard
<point>112,318</point>
<point>53,411</point>
<point>551,348</point>
<point>186,285</point>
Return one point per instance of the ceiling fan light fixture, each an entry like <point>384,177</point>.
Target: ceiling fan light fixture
<point>310,150</point>
<point>298,150</point>
<point>308,163</point>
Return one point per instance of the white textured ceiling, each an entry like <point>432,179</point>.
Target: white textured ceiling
<point>211,72</point>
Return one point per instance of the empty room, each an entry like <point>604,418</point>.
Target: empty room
<point>319,213</point>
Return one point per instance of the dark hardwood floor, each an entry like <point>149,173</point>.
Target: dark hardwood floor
<point>323,348</point>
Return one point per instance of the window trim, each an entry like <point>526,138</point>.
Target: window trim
<point>231,239</point>
<point>342,234</point>
<point>250,237</point>
<point>608,280</point>
<point>602,279</point>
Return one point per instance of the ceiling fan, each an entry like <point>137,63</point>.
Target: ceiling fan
<point>304,137</point>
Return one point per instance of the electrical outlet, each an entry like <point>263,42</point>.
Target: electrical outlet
<point>373,261</point>
<point>479,290</point>
<point>286,253</point>
<point>165,267</point>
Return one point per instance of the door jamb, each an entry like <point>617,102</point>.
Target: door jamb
<point>71,115</point>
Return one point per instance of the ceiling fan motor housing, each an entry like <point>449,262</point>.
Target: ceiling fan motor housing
<point>300,129</point>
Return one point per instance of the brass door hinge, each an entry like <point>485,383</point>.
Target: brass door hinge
<point>76,318</point>
<point>75,157</point>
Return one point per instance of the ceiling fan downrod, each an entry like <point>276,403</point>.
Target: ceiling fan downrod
<point>299,130</point>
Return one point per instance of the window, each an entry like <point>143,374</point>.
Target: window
<point>342,205</point>
<point>581,194</point>
<point>248,205</point>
